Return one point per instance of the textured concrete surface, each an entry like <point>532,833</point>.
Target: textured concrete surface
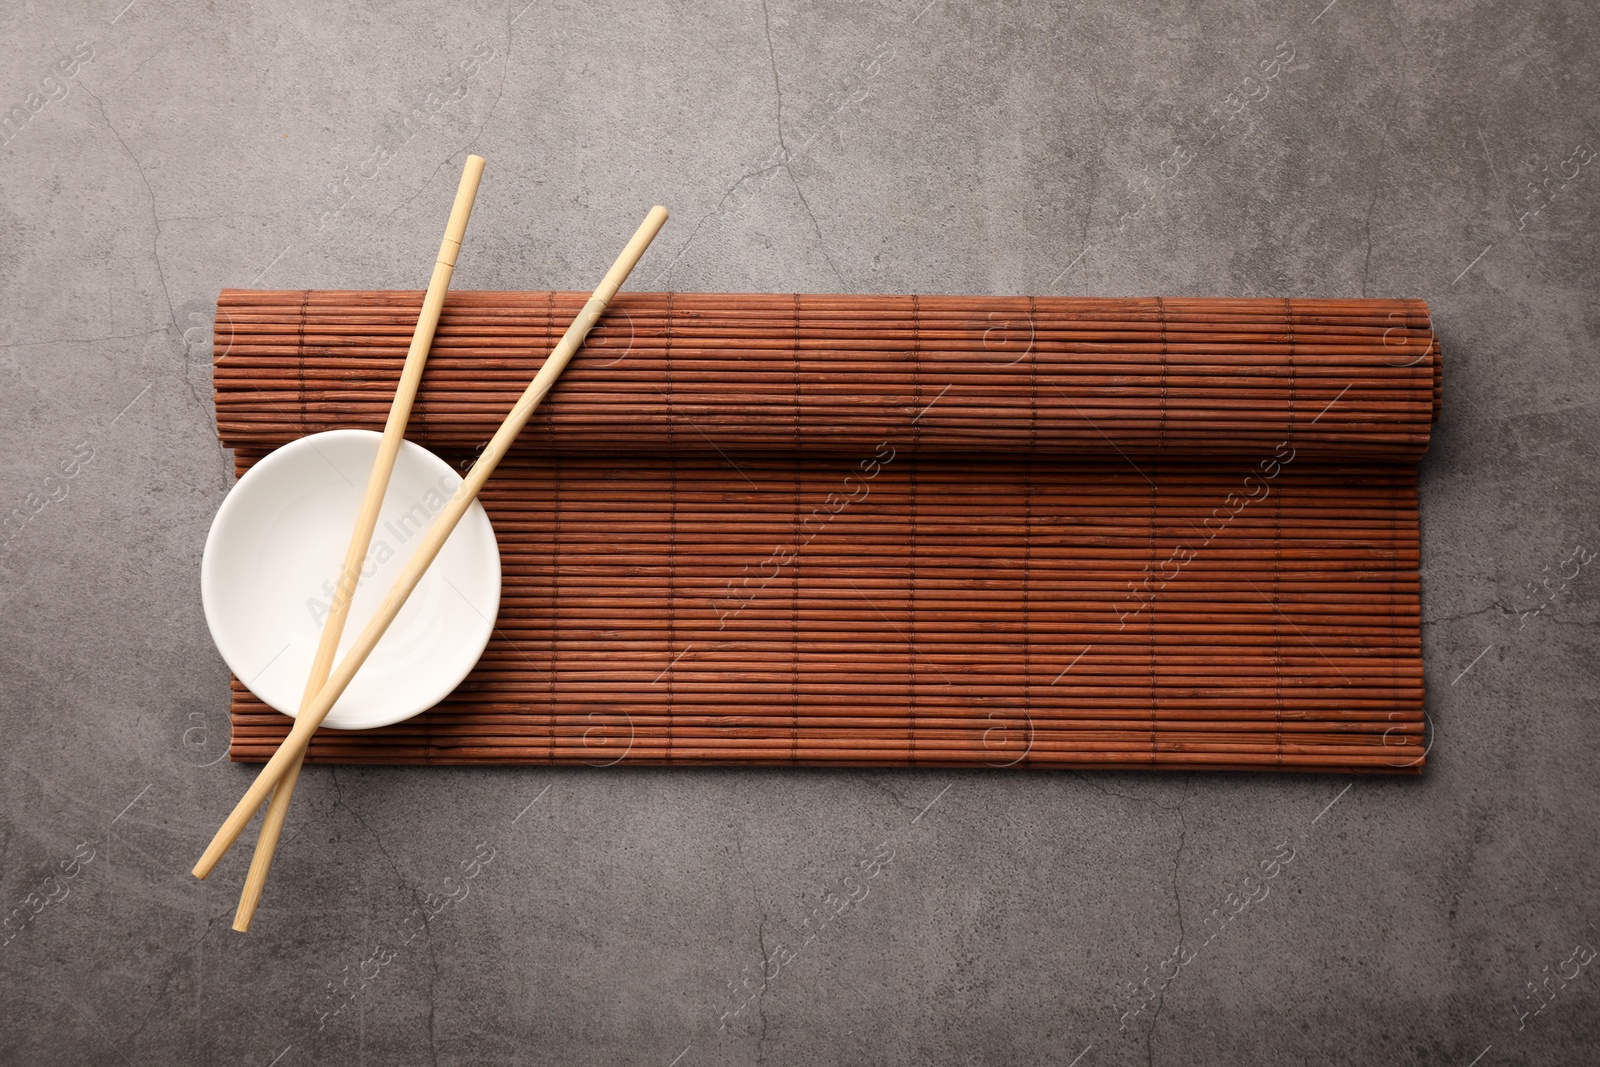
<point>663,917</point>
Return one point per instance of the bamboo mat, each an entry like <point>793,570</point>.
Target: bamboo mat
<point>901,530</point>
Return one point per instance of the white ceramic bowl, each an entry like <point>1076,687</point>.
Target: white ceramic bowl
<point>274,553</point>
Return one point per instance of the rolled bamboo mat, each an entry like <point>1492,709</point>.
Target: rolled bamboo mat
<point>698,372</point>
<point>865,531</point>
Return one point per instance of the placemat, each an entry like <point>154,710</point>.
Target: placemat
<point>902,530</point>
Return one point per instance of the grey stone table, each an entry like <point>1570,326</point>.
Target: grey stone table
<point>156,153</point>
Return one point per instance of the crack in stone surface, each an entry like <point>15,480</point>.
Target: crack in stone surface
<point>1177,902</point>
<point>1469,614</point>
<point>873,781</point>
<point>173,328</point>
<point>758,172</point>
<point>1383,144</point>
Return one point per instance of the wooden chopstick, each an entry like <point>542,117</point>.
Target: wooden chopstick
<point>394,431</point>
<point>311,714</point>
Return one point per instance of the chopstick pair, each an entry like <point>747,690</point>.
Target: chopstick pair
<point>394,431</point>
<point>325,686</point>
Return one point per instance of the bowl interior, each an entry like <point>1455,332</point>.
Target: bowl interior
<point>274,553</point>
